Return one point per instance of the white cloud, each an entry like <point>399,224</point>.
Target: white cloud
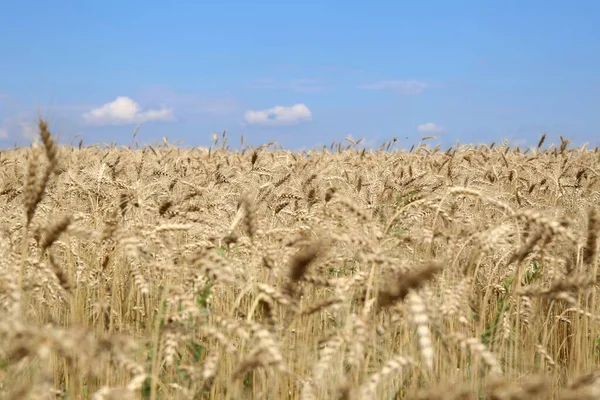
<point>191,104</point>
<point>29,130</point>
<point>430,127</point>
<point>19,126</point>
<point>124,111</point>
<point>279,115</point>
<point>402,87</point>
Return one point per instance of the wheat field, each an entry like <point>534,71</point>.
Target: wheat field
<point>261,273</point>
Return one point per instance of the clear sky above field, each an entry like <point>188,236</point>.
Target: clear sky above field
<point>301,73</point>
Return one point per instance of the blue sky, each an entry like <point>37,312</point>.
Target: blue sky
<point>301,73</point>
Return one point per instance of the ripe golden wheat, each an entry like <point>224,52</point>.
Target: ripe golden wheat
<point>170,273</point>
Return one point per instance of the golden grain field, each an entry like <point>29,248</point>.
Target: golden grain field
<point>171,273</point>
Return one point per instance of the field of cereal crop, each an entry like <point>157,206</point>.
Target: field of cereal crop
<point>342,273</point>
